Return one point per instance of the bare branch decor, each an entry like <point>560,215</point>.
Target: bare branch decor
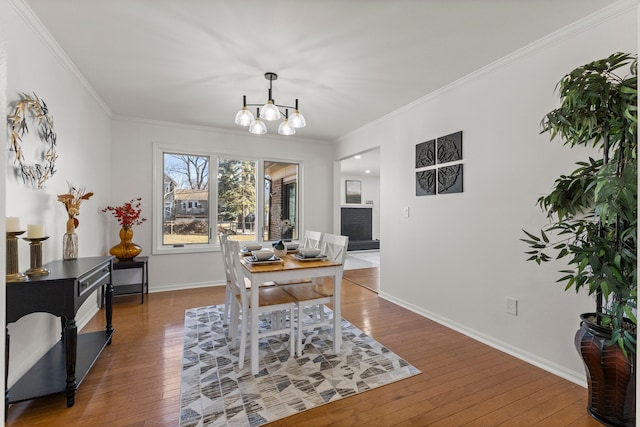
<point>37,173</point>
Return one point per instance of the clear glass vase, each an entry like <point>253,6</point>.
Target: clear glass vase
<point>70,246</point>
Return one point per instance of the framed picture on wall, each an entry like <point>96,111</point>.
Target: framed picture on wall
<point>353,191</point>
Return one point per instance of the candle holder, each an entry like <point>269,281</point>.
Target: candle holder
<point>13,275</point>
<point>35,247</point>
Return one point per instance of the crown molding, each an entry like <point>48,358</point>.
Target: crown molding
<point>47,39</point>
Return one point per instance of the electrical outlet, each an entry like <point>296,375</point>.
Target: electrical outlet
<point>512,306</point>
<point>405,212</point>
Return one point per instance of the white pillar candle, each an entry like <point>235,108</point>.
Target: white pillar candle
<point>35,231</point>
<point>13,224</point>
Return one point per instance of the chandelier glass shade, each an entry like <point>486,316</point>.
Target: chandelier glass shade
<point>285,127</point>
<point>257,126</point>
<point>244,117</point>
<point>270,111</point>
<point>297,120</point>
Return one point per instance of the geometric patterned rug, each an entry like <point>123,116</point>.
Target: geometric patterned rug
<point>214,392</point>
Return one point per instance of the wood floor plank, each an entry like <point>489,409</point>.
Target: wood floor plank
<point>136,381</point>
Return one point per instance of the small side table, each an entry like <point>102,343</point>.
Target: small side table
<point>143,287</point>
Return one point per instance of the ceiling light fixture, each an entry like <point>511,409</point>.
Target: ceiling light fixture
<point>270,111</point>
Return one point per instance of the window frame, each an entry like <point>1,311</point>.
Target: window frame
<point>159,149</point>
<point>158,248</point>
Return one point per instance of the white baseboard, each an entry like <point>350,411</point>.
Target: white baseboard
<point>578,378</point>
<point>182,286</point>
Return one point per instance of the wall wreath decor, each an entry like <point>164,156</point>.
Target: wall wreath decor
<point>33,108</point>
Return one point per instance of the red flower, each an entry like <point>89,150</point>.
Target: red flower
<point>127,214</point>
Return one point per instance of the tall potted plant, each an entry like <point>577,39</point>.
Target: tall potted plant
<point>592,216</point>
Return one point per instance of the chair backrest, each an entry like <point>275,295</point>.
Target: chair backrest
<point>312,239</point>
<point>335,247</point>
<point>237,277</point>
<point>223,248</point>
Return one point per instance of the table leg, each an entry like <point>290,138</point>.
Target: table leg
<point>108,309</point>
<point>71,347</point>
<point>254,326</point>
<point>62,327</point>
<point>144,280</point>
<point>337,314</point>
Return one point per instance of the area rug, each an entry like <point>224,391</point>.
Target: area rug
<point>214,392</point>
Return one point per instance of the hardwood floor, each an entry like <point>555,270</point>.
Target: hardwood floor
<point>136,381</point>
<point>367,277</point>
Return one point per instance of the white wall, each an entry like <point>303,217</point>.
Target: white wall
<point>370,186</point>
<point>36,65</point>
<point>3,168</point>
<point>471,257</point>
<point>132,144</point>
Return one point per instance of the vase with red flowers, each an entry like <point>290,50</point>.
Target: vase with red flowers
<point>128,215</point>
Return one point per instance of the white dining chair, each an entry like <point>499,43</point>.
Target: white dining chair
<point>227,262</point>
<point>272,300</point>
<point>311,239</point>
<point>227,271</point>
<point>315,296</point>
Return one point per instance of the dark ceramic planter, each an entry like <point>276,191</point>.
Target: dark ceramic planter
<point>611,375</point>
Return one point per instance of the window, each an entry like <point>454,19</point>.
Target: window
<point>190,209</point>
<point>237,199</point>
<point>186,184</point>
<point>281,200</point>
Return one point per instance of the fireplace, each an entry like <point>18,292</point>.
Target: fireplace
<point>357,223</point>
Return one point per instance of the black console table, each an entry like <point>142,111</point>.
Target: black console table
<point>61,293</point>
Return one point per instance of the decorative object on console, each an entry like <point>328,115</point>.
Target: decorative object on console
<point>13,231</point>
<point>72,201</point>
<point>13,223</point>
<point>35,252</point>
<point>128,215</point>
<point>37,173</point>
<point>35,231</point>
<point>270,111</point>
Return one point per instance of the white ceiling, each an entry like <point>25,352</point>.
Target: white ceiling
<point>349,62</point>
<point>359,164</point>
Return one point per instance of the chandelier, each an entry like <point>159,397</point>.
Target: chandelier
<point>270,111</point>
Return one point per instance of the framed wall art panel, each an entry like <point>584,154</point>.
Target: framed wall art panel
<point>450,179</point>
<point>450,148</point>
<point>426,183</point>
<point>426,154</point>
<point>353,191</point>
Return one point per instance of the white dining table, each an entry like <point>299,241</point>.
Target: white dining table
<point>287,270</point>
